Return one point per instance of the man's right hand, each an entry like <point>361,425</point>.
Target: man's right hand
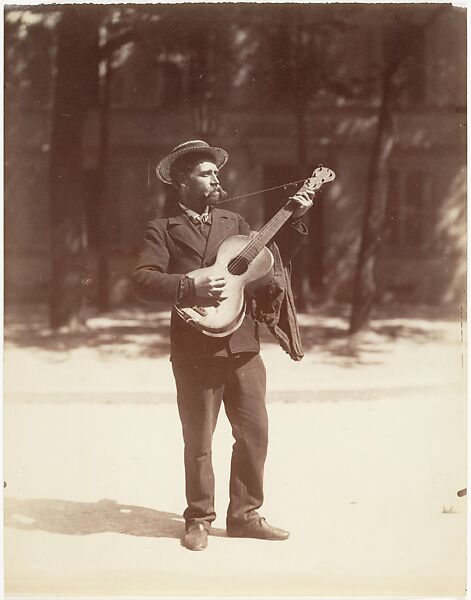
<point>207,286</point>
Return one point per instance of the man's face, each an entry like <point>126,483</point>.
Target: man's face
<point>201,186</point>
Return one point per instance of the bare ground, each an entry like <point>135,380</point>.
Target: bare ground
<point>367,454</point>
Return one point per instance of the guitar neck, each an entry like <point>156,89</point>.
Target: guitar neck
<point>267,232</point>
<point>320,176</point>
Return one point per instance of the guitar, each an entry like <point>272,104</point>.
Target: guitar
<point>243,261</point>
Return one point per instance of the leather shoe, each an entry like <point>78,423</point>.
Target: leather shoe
<point>259,529</point>
<point>196,538</point>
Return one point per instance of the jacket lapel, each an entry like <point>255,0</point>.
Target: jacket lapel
<point>183,232</point>
<point>222,226</point>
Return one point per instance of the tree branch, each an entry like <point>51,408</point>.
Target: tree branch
<point>125,37</point>
<point>106,50</point>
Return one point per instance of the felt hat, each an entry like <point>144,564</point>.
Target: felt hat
<point>219,155</point>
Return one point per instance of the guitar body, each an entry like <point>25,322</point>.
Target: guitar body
<point>224,317</point>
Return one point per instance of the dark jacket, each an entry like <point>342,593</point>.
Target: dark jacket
<point>173,247</point>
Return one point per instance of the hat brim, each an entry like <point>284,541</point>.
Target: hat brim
<point>164,166</point>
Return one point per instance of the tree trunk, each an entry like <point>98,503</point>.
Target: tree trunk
<point>103,241</point>
<point>375,213</point>
<point>301,279</point>
<point>75,92</point>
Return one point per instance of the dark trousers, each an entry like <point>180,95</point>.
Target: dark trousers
<point>240,382</point>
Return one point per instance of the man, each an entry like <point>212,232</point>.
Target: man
<point>211,370</point>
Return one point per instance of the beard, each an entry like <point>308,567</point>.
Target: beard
<point>216,196</point>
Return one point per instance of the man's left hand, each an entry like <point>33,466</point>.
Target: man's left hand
<point>303,201</point>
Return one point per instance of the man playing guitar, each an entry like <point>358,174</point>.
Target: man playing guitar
<point>218,365</point>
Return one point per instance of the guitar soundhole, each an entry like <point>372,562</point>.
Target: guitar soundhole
<point>237,266</point>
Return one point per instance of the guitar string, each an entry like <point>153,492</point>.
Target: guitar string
<point>277,187</point>
<point>239,260</point>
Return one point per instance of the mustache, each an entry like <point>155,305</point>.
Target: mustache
<point>217,194</point>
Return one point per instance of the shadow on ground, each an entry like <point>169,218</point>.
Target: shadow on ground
<point>85,518</point>
<point>368,346</point>
<point>139,332</point>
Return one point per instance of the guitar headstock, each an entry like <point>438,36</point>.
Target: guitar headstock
<point>319,176</point>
